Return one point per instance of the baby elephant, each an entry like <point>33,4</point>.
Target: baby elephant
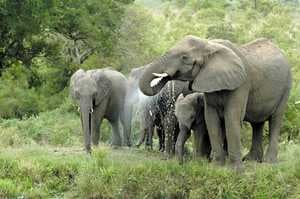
<point>189,111</point>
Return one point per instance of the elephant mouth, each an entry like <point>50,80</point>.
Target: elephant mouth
<point>159,80</point>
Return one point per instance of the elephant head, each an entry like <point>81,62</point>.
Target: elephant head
<point>88,89</point>
<point>208,65</point>
<point>186,108</point>
<point>134,93</point>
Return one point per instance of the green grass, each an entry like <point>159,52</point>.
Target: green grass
<point>43,157</point>
<point>36,171</point>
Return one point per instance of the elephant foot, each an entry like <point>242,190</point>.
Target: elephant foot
<point>148,147</point>
<point>236,166</point>
<point>115,146</point>
<point>128,144</point>
<point>167,156</point>
<point>180,161</point>
<point>218,160</point>
<point>161,149</point>
<point>88,149</point>
<point>253,156</point>
<point>270,158</point>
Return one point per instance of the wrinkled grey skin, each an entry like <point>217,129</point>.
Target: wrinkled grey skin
<point>100,94</point>
<point>157,111</point>
<point>150,119</point>
<point>189,111</point>
<point>250,82</point>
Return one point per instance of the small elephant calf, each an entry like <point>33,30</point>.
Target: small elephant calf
<point>189,111</point>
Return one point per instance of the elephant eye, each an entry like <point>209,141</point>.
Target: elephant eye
<point>184,57</point>
<point>186,60</point>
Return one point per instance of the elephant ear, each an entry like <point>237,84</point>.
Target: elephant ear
<point>222,69</point>
<point>73,81</point>
<point>104,85</point>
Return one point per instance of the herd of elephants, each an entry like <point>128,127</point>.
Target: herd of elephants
<point>207,87</point>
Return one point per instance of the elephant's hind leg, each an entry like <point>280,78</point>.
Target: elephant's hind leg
<point>256,151</point>
<point>116,138</point>
<point>161,138</point>
<point>274,130</point>
<point>125,118</point>
<point>149,137</point>
<point>275,122</point>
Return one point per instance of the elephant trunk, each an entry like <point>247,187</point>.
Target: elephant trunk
<point>86,119</point>
<point>153,79</point>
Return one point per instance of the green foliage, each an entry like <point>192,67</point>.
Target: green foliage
<point>59,127</point>
<point>37,60</point>
<point>43,42</point>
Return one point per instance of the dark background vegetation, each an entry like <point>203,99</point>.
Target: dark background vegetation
<point>42,42</point>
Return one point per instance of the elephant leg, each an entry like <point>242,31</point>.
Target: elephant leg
<point>202,146</point>
<point>175,135</point>
<point>256,151</point>
<point>275,122</point>
<point>184,134</point>
<point>144,126</point>
<point>126,117</point>
<point>215,134</point>
<point>149,137</point>
<point>87,137</point>
<point>116,138</point>
<point>274,131</point>
<point>96,131</point>
<point>169,127</point>
<point>225,145</point>
<point>97,117</point>
<point>161,138</point>
<point>234,113</point>
<point>142,137</point>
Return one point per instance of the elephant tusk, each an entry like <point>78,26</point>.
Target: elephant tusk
<point>78,109</point>
<point>92,110</point>
<point>160,74</point>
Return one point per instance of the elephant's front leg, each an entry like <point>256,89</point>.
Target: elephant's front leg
<point>234,114</point>
<point>87,134</point>
<point>97,117</point>
<point>169,127</point>
<point>213,124</point>
<point>184,134</point>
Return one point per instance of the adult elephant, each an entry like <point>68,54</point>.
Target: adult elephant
<point>100,94</point>
<point>157,111</point>
<point>251,82</point>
